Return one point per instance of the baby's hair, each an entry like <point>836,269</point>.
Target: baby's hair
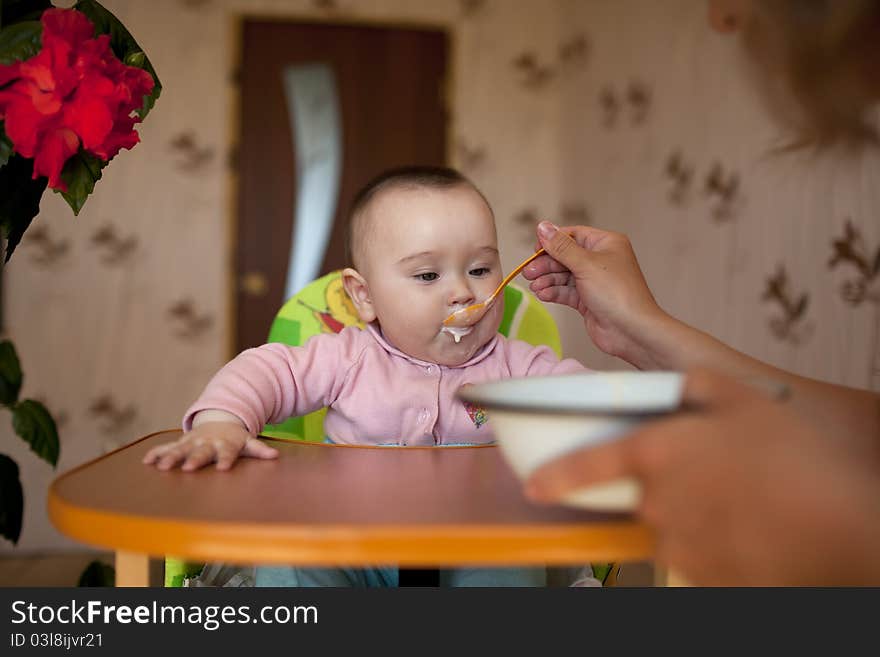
<point>408,177</point>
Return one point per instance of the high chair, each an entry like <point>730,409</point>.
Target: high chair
<point>323,306</point>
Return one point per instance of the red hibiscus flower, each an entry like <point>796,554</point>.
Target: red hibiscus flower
<point>74,92</point>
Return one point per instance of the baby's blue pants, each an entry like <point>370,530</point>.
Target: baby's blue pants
<point>289,576</point>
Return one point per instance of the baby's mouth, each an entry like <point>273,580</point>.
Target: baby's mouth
<point>457,332</point>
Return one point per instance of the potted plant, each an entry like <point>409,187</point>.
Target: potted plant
<point>73,85</point>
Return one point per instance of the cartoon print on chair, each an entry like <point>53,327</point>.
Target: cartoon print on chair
<point>340,311</point>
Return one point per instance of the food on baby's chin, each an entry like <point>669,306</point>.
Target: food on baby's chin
<point>456,332</point>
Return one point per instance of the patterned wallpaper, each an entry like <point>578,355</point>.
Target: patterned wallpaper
<point>630,115</point>
<point>775,254</point>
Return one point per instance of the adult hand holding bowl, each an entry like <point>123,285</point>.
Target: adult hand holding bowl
<point>538,419</point>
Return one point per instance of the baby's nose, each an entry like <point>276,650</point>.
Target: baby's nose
<point>462,295</point>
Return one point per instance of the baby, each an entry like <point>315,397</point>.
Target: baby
<point>423,244</point>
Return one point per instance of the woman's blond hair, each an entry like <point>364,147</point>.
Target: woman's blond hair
<point>818,64</point>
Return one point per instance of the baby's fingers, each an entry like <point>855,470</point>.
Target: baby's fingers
<point>153,454</point>
<point>171,457</point>
<point>258,449</point>
<point>199,456</point>
<point>157,454</point>
<point>227,454</point>
<point>194,452</point>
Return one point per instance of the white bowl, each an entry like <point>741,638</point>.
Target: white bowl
<point>538,419</point>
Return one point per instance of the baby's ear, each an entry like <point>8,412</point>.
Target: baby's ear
<point>359,292</point>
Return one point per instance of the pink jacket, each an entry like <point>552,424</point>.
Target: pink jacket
<point>376,394</point>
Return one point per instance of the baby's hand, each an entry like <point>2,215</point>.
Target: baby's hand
<point>221,442</point>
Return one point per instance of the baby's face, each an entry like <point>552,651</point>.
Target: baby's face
<point>428,253</point>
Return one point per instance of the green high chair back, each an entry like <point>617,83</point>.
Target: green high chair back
<point>323,306</point>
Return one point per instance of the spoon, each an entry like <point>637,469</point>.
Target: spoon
<point>474,313</point>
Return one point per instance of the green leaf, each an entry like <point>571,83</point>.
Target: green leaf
<point>20,198</point>
<point>11,499</point>
<point>80,173</point>
<point>13,11</point>
<point>98,573</point>
<point>10,374</point>
<point>5,146</point>
<point>123,44</point>
<point>20,41</point>
<point>32,422</point>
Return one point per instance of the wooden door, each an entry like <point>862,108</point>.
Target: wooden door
<point>391,98</point>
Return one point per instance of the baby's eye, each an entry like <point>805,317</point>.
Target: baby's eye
<point>479,271</point>
<point>427,276</point>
